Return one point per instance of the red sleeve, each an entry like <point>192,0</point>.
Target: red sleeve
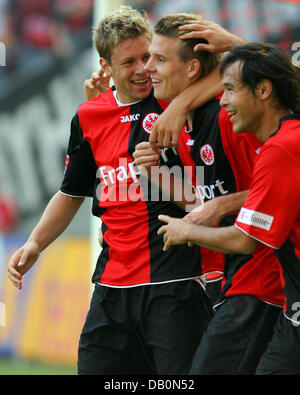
<point>273,202</point>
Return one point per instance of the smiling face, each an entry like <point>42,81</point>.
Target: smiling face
<point>245,108</point>
<point>128,59</point>
<point>169,74</point>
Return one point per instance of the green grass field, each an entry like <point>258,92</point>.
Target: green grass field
<point>17,367</point>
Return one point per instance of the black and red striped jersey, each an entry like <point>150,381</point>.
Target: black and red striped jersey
<point>100,164</point>
<point>227,160</point>
<point>271,213</point>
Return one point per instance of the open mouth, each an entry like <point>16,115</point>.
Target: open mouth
<point>156,82</point>
<point>141,83</point>
<point>232,114</point>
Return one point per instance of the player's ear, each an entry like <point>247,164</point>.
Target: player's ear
<point>194,68</point>
<point>104,65</point>
<point>264,89</point>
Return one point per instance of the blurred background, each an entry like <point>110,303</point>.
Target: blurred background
<point>46,52</point>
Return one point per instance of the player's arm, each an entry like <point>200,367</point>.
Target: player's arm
<point>170,181</point>
<point>213,211</point>
<point>228,240</point>
<point>58,214</point>
<point>169,124</point>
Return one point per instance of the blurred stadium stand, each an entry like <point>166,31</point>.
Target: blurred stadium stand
<point>48,55</point>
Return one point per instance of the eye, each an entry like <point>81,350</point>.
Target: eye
<point>128,62</point>
<point>146,58</point>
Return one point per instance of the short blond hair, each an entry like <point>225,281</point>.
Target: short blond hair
<point>119,26</point>
<point>168,26</point>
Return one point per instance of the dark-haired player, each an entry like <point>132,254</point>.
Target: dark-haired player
<point>262,93</point>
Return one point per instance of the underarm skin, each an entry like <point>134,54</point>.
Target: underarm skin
<point>229,240</point>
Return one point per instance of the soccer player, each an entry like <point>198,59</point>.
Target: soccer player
<point>147,313</point>
<point>245,317</point>
<point>262,93</point>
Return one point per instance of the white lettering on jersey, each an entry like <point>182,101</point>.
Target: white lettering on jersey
<point>130,118</point>
<point>110,176</point>
<point>206,192</point>
<point>255,218</point>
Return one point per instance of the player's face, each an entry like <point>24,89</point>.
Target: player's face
<point>168,73</point>
<point>239,101</point>
<point>131,80</point>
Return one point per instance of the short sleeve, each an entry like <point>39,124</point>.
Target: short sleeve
<point>80,170</point>
<point>272,206</point>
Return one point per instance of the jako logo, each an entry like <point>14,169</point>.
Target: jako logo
<point>2,55</point>
<point>296,56</point>
<point>130,118</point>
<point>149,120</point>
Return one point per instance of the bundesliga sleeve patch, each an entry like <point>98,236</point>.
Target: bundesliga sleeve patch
<point>255,218</point>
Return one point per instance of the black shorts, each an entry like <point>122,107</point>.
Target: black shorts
<point>236,337</point>
<point>214,289</point>
<point>282,356</point>
<point>152,329</point>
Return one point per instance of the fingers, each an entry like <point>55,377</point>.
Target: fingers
<point>144,155</point>
<point>21,262</point>
<point>164,218</point>
<point>196,25</point>
<point>13,270</point>
<point>203,47</point>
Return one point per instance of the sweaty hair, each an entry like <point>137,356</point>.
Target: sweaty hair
<point>267,61</point>
<point>120,25</point>
<point>168,26</point>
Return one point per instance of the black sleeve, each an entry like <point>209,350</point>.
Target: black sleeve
<point>170,157</point>
<point>80,172</point>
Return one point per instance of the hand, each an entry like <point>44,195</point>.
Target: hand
<point>219,39</point>
<point>98,83</point>
<point>206,214</point>
<point>21,261</point>
<point>168,126</point>
<point>145,157</point>
<point>174,232</point>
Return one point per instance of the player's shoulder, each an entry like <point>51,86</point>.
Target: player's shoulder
<point>100,101</point>
<point>208,111</point>
<point>286,139</point>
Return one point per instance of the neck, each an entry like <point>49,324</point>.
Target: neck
<point>269,124</point>
<point>189,119</point>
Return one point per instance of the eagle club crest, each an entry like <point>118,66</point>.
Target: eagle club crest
<point>207,154</point>
<point>148,121</point>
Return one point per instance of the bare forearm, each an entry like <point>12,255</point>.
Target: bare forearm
<point>230,204</point>
<point>199,93</point>
<point>228,240</point>
<point>57,216</point>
